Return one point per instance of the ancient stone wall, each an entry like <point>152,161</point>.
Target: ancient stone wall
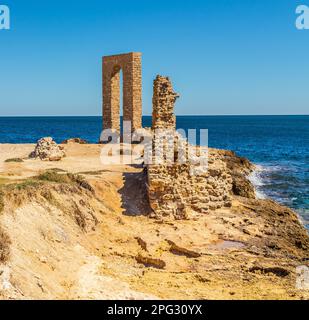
<point>181,189</point>
<point>130,64</point>
<point>174,192</point>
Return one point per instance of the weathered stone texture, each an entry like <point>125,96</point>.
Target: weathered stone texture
<point>130,64</point>
<point>163,101</point>
<point>176,188</point>
<point>175,193</point>
<point>181,189</point>
<point>47,149</point>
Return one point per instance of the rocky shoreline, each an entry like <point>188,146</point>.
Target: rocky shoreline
<point>76,214</point>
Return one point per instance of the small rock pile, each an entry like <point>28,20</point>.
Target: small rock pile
<point>47,149</point>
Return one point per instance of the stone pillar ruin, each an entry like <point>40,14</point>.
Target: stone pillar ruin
<point>163,101</point>
<point>130,64</point>
<point>181,189</point>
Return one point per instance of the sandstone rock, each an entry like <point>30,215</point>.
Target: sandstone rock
<point>174,248</point>
<point>148,261</point>
<point>239,168</point>
<point>142,243</point>
<point>75,140</point>
<point>47,150</point>
<point>242,186</point>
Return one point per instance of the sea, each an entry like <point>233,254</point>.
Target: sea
<point>278,145</point>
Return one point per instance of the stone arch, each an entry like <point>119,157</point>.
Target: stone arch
<point>130,64</point>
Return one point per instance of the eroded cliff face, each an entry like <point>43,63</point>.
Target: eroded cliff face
<point>89,236</point>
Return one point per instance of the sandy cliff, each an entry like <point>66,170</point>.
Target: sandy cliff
<point>76,229</point>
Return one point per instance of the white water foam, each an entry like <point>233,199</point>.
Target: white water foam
<point>257,181</point>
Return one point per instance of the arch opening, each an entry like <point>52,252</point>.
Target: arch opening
<point>122,90</point>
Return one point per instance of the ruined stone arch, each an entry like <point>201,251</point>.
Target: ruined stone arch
<point>130,64</point>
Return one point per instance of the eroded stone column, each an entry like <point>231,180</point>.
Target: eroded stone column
<point>163,101</point>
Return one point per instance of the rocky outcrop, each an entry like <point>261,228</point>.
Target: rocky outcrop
<point>68,242</point>
<point>242,186</point>
<point>239,169</point>
<point>47,149</point>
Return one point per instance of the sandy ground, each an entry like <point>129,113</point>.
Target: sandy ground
<point>244,252</point>
<point>80,158</point>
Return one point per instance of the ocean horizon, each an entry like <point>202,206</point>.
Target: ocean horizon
<point>277,144</point>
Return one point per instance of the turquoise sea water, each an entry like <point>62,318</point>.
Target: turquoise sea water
<point>278,144</point>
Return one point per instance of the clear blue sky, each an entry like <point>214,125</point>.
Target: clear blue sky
<point>223,56</point>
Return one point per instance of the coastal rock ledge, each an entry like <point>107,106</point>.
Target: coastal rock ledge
<point>82,230</point>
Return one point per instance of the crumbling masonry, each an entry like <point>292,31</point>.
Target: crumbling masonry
<point>163,104</point>
<point>177,189</point>
<point>181,190</point>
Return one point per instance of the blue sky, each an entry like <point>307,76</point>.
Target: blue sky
<point>223,56</point>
